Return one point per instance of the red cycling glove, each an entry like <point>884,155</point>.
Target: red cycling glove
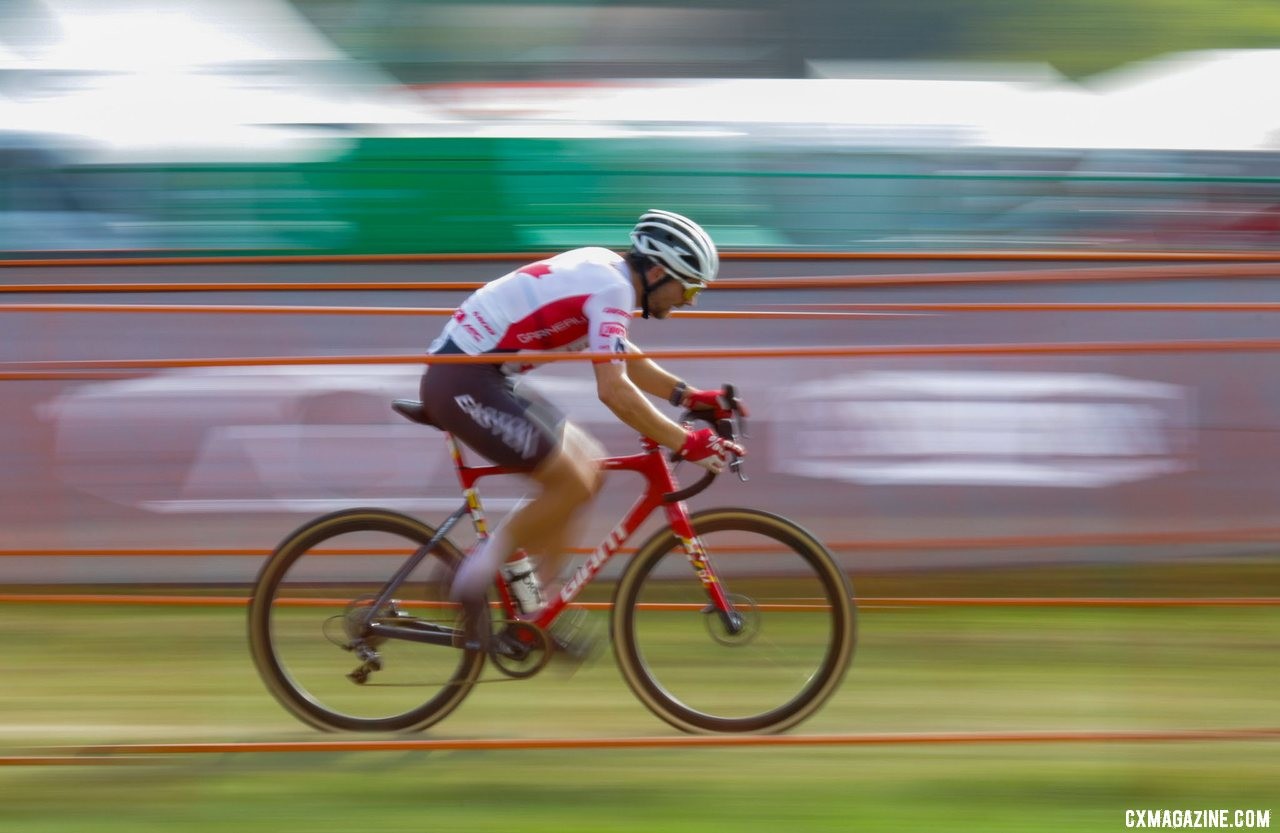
<point>708,450</point>
<point>705,400</point>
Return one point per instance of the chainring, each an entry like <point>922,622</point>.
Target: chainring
<point>529,647</point>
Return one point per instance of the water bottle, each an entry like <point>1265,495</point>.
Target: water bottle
<point>522,581</point>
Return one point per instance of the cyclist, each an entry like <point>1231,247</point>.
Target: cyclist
<point>580,300</point>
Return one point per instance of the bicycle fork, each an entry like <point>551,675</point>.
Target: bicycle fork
<point>720,602</point>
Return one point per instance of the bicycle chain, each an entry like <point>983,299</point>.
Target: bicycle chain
<point>510,674</point>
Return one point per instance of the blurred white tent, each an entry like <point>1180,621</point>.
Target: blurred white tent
<point>1211,100</point>
<point>179,80</point>
<point>252,80</point>
<point>1218,100</point>
<point>850,112</point>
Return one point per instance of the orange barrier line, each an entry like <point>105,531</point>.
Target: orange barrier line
<point>874,601</point>
<point>1268,269</point>
<point>1108,274</point>
<point>286,309</point>
<point>223,309</point>
<point>475,257</point>
<point>22,376</point>
<point>189,552</point>
<point>797,311</point>
<point>247,286</point>
<point>1021,256</point>
<point>1171,538</point>
<point>1249,734</point>
<point>307,601</point>
<point>1074,601</point>
<point>865,351</point>
<point>1168,537</point>
<point>415,359</point>
<point>255,260</point>
<point>1123,306</point>
<point>109,599</point>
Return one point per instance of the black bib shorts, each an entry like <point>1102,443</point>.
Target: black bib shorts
<point>480,406</point>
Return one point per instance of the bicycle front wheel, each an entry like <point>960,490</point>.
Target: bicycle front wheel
<point>309,615</point>
<point>767,667</point>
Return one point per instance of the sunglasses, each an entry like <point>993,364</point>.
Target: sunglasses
<point>691,288</point>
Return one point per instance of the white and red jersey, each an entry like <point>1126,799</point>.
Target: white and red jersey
<point>578,300</point>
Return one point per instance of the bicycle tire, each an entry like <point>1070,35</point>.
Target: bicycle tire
<point>766,680</point>
<point>302,605</point>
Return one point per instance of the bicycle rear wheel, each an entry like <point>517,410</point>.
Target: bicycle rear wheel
<point>307,622</point>
<point>769,670</point>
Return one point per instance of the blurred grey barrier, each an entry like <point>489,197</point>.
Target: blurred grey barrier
<point>942,419</point>
<point>1166,449</point>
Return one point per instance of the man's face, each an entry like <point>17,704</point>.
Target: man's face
<point>670,295</point>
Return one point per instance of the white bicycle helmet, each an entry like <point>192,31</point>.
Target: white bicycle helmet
<point>678,244</point>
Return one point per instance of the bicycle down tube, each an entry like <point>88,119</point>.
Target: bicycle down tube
<point>659,484</point>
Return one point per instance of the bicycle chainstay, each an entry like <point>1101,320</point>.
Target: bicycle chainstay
<point>363,674</point>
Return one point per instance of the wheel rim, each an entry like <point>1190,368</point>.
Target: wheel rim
<point>307,639</point>
<point>697,674</point>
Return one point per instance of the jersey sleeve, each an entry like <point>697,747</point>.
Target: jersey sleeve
<point>608,314</point>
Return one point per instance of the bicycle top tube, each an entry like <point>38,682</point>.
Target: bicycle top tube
<point>643,462</point>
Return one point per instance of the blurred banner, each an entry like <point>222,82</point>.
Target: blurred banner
<point>907,460</point>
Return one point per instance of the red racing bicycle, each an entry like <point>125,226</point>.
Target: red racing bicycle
<point>725,620</point>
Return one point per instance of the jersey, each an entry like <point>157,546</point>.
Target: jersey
<point>579,300</point>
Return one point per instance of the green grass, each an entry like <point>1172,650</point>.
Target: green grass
<point>979,789</point>
<point>130,674</point>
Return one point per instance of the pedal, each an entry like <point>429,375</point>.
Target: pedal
<point>505,645</point>
<point>521,650</point>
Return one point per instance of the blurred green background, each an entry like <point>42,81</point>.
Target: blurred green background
<point>398,126</point>
<point>139,674</point>
<point>766,38</point>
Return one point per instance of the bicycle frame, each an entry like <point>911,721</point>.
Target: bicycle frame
<point>660,483</point>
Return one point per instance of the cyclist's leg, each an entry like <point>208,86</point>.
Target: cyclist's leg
<point>478,405</point>
<point>570,478</point>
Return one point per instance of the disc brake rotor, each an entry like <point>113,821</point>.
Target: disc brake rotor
<point>747,624</point>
